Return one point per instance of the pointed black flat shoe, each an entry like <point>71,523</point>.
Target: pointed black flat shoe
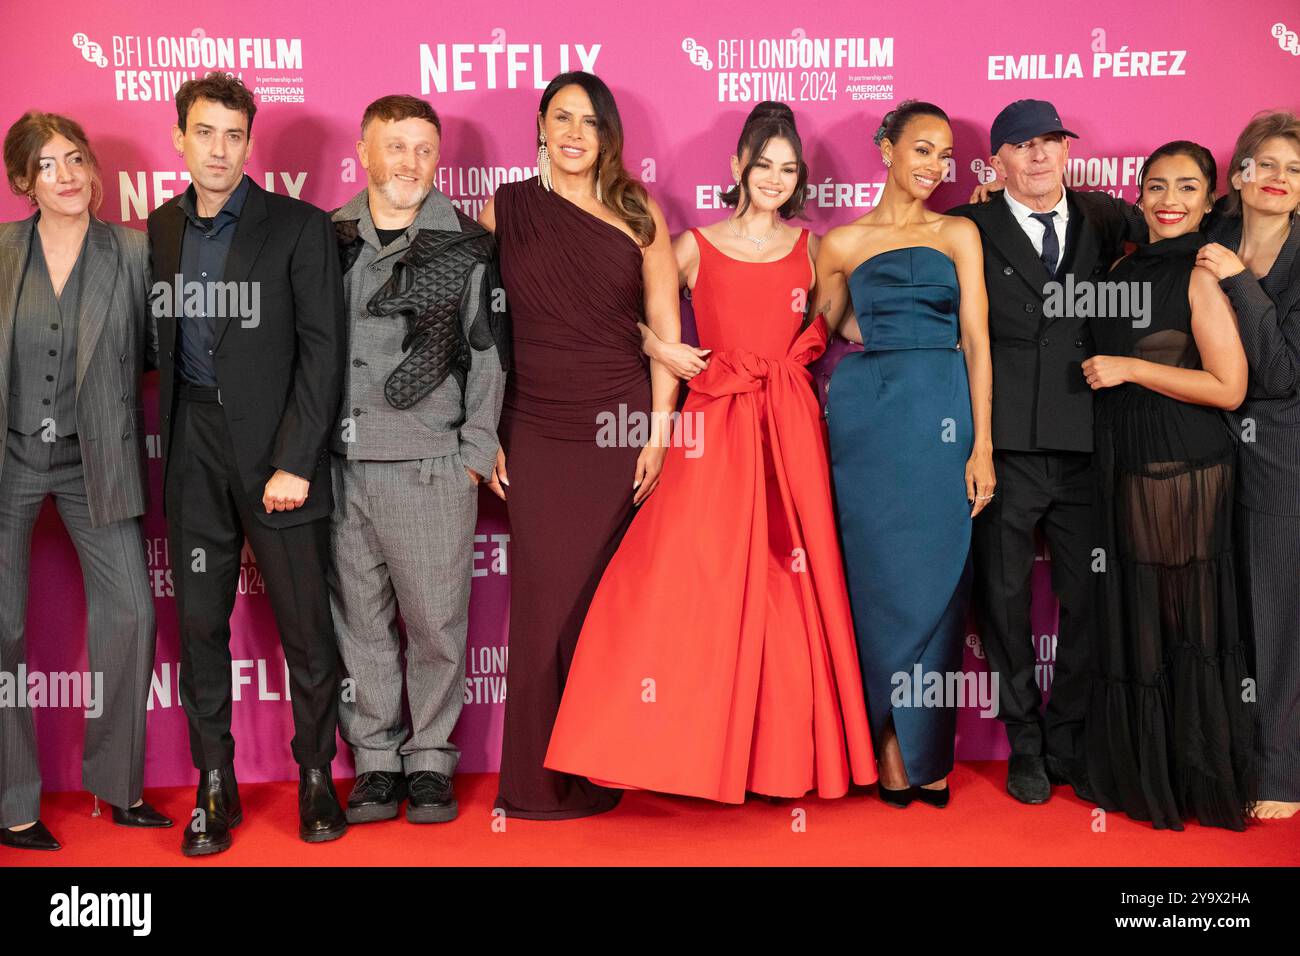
<point>896,798</point>
<point>143,816</point>
<point>933,798</point>
<point>35,837</point>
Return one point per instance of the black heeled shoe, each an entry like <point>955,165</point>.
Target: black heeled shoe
<point>934,798</point>
<point>896,798</point>
<point>143,816</point>
<point>35,837</point>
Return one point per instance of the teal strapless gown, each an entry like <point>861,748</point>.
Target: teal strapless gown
<point>899,417</point>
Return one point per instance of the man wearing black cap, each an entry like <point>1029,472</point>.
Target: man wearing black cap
<point>1035,233</point>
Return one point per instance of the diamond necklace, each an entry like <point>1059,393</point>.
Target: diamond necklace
<point>758,243</point>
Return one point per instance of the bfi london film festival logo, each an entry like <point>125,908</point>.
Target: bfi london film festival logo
<point>1286,38</point>
<point>150,69</point>
<point>750,79</point>
<point>797,68</point>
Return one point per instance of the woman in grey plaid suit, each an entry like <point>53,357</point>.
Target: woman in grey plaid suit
<point>73,294</point>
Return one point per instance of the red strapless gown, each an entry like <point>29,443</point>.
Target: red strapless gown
<point>718,655</point>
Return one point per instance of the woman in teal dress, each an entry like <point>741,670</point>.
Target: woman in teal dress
<point>911,449</point>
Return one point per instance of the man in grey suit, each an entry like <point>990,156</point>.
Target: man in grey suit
<point>73,340</point>
<point>418,433</point>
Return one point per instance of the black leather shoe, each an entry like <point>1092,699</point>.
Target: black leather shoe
<point>1027,779</point>
<point>320,818</point>
<point>1071,773</point>
<point>216,811</point>
<point>141,816</point>
<point>377,795</point>
<point>430,797</point>
<point>934,798</point>
<point>35,837</point>
<point>896,798</point>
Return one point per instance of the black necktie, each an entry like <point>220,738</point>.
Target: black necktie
<point>1051,247</point>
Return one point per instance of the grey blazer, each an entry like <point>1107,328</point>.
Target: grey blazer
<point>112,341</point>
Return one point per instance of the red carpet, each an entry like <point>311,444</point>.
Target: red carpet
<point>982,826</point>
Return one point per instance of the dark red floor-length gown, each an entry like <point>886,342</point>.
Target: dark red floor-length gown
<point>574,289</point>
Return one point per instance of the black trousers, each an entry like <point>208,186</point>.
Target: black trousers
<point>208,517</point>
<point>1053,491</point>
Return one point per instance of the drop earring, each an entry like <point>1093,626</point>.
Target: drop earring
<point>544,165</point>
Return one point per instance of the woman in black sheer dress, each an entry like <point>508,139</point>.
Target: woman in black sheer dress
<point>1169,728</point>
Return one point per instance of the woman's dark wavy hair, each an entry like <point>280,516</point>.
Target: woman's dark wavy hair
<point>1203,158</point>
<point>767,121</point>
<point>626,197</point>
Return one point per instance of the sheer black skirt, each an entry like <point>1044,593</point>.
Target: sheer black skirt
<point>1170,730</point>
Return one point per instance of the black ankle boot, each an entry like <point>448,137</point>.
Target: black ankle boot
<point>320,818</point>
<point>216,811</point>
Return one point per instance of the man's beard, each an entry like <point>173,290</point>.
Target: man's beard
<point>402,196</point>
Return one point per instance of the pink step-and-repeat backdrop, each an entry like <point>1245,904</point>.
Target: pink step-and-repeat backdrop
<point>1125,76</point>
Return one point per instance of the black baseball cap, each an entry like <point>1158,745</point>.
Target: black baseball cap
<point>1023,120</point>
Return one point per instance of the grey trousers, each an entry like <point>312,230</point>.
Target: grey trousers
<point>402,538</point>
<point>119,627</point>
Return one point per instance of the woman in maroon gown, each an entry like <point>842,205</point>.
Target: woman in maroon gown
<point>585,256</point>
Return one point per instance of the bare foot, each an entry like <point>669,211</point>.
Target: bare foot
<point>20,829</point>
<point>1274,809</point>
<point>893,773</point>
<point>937,785</point>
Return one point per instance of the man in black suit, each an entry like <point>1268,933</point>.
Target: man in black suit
<point>251,353</point>
<point>1035,233</point>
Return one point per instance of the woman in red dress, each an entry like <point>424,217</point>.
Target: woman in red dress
<point>717,656</point>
